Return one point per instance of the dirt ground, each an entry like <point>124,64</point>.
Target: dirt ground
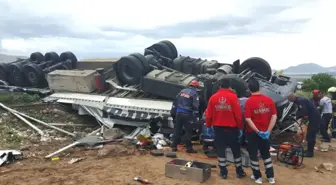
<point>120,163</point>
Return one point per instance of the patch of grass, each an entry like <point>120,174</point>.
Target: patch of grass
<point>18,98</point>
<point>9,138</point>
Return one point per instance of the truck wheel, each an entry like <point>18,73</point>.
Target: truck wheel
<point>172,48</point>
<point>33,74</point>
<point>130,70</point>
<point>257,65</point>
<point>52,56</point>
<point>69,55</point>
<point>36,57</point>
<point>163,49</point>
<point>4,71</point>
<point>238,84</point>
<point>143,61</point>
<point>15,75</point>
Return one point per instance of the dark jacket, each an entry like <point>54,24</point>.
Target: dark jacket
<point>309,109</point>
<point>173,109</point>
<point>187,101</point>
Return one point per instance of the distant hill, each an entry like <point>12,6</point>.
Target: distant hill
<point>309,68</point>
<point>9,58</point>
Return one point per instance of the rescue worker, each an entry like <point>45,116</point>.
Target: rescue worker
<point>224,114</point>
<point>187,106</point>
<point>326,111</point>
<point>314,118</point>
<point>261,115</point>
<point>316,97</point>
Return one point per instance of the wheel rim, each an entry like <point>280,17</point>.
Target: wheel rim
<point>32,77</point>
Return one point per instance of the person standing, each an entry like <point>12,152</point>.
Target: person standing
<point>326,108</point>
<point>260,115</point>
<point>187,107</point>
<point>310,110</point>
<point>224,114</point>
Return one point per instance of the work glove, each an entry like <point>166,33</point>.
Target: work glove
<point>261,134</point>
<point>240,133</point>
<point>266,135</point>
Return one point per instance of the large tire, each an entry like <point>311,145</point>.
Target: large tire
<point>69,56</point>
<point>257,65</point>
<point>143,61</point>
<point>130,70</point>
<point>36,57</point>
<point>172,48</point>
<point>238,84</point>
<point>164,50</point>
<point>34,74</point>
<point>52,56</point>
<point>15,75</point>
<point>4,71</point>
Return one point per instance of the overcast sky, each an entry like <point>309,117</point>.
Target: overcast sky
<point>285,33</point>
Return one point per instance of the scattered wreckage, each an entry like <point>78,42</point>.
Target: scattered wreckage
<point>138,89</point>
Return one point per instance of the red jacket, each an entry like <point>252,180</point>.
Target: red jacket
<point>260,109</point>
<point>224,110</point>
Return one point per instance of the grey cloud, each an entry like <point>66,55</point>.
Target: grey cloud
<point>260,21</point>
<point>15,24</point>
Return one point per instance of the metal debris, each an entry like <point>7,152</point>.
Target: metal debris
<point>39,131</point>
<point>75,160</point>
<point>21,116</point>
<point>324,166</point>
<point>8,156</point>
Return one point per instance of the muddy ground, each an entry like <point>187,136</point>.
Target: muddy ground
<point>115,163</point>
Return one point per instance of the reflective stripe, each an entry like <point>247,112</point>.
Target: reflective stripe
<point>222,164</point>
<point>238,164</point>
<point>237,160</point>
<point>255,168</point>
<point>254,163</point>
<point>268,160</point>
<point>221,159</point>
<point>269,165</point>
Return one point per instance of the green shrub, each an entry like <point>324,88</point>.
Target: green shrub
<point>18,98</point>
<point>321,81</point>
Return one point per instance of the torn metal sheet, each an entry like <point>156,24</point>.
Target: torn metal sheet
<point>111,110</point>
<point>8,156</point>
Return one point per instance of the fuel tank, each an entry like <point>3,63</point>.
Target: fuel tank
<point>164,83</point>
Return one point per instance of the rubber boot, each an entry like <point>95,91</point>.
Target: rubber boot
<point>223,172</point>
<point>310,149</point>
<point>240,172</point>
<point>191,151</point>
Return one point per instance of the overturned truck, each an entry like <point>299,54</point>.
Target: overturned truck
<point>156,76</point>
<point>160,71</point>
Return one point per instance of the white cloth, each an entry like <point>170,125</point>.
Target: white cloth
<point>326,104</point>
